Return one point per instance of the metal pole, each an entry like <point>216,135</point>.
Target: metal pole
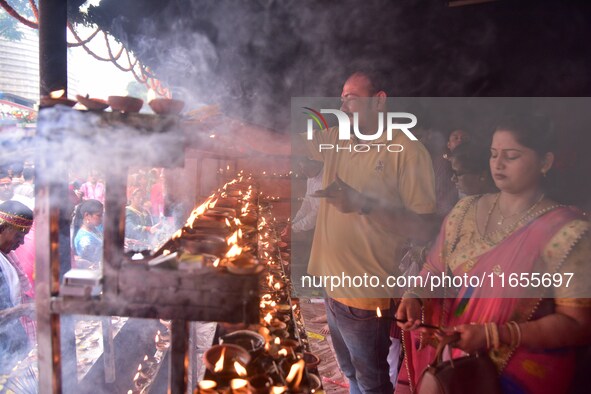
<point>179,357</point>
<point>53,75</point>
<point>53,50</point>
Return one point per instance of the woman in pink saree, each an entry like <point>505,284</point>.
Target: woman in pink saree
<point>529,332</point>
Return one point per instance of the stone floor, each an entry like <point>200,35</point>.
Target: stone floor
<point>332,378</point>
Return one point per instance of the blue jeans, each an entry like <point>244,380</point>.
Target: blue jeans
<point>361,341</point>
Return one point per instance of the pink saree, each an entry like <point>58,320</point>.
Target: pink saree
<point>460,249</point>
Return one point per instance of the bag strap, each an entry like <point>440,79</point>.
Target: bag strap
<point>446,340</point>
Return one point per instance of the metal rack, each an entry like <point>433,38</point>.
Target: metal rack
<point>68,138</point>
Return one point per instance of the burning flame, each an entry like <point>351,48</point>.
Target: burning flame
<point>207,385</point>
<point>233,238</point>
<point>378,312</point>
<point>268,318</point>
<point>282,352</point>
<point>278,389</point>
<point>234,251</point>
<point>200,210</point>
<point>240,370</point>
<point>239,385</point>
<point>295,374</point>
<point>277,341</point>
<point>245,209</point>
<point>219,365</point>
<point>57,94</point>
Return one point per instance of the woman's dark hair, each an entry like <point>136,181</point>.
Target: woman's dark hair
<point>473,157</point>
<point>88,206</point>
<point>534,132</point>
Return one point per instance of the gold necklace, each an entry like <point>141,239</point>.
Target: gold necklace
<point>489,214</point>
<point>502,217</point>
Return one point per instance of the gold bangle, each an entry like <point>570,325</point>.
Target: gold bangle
<point>487,334</point>
<point>495,336</point>
<point>512,334</point>
<point>518,329</point>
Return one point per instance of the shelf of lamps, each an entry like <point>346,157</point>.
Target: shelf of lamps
<point>263,175</point>
<point>150,366</point>
<point>275,310</point>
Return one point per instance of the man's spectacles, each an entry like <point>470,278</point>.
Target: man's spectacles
<point>457,174</point>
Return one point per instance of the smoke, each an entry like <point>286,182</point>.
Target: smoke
<point>252,57</point>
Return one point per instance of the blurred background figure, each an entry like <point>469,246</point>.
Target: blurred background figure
<point>471,170</point>
<point>93,189</point>
<point>15,306</point>
<point>305,218</point>
<point>27,187</point>
<point>87,235</point>
<point>138,223</point>
<point>445,192</point>
<point>157,196</point>
<point>304,222</point>
<point>6,189</point>
<point>456,138</point>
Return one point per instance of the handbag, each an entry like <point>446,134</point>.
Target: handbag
<point>475,373</point>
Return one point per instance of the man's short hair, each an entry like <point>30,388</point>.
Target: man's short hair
<point>377,78</point>
<point>28,173</point>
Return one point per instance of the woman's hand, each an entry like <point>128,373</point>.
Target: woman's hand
<point>472,337</point>
<point>408,313</point>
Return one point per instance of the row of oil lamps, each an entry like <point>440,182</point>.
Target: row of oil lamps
<point>265,358</point>
<point>269,357</point>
